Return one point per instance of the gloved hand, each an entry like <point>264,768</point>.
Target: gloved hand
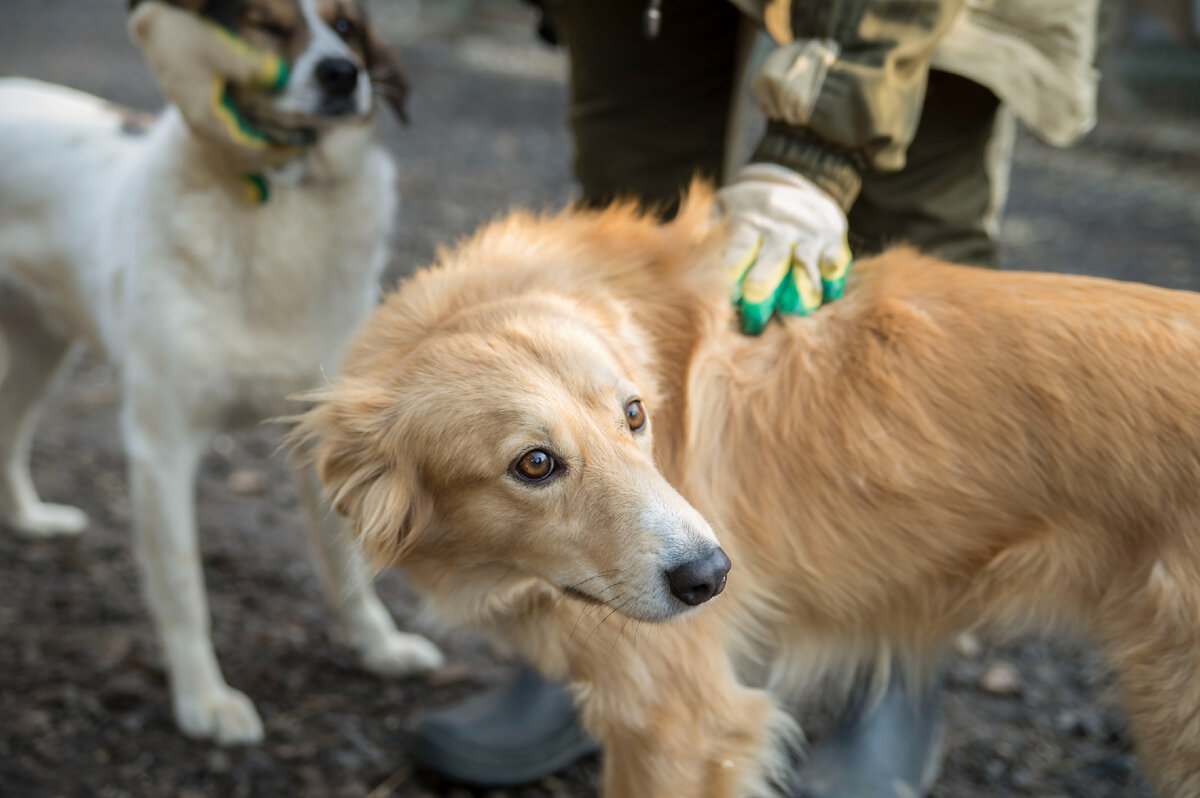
<point>787,249</point>
<point>196,62</point>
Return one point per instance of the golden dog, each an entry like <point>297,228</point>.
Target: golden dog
<point>542,423</point>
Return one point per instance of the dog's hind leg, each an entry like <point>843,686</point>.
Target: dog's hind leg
<point>31,355</point>
<point>362,618</point>
<point>1156,645</point>
<point>164,443</point>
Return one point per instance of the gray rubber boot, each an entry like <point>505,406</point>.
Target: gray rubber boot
<point>516,733</point>
<point>526,729</point>
<point>890,748</point>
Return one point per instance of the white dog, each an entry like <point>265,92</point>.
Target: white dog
<point>215,304</point>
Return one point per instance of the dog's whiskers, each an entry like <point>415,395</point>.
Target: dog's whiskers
<point>592,607</point>
<point>614,609</point>
<point>600,575</point>
<point>384,90</point>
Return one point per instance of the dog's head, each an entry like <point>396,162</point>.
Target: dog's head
<point>338,65</point>
<point>484,424</point>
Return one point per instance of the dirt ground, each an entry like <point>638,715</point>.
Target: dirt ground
<point>83,702</point>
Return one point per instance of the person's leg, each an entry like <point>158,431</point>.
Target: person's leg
<point>647,115</point>
<point>948,198</point>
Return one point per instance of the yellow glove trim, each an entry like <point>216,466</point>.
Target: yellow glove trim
<point>270,71</point>
<point>756,291</point>
<point>235,127</point>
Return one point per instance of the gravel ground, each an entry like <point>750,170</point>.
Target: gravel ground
<point>83,702</point>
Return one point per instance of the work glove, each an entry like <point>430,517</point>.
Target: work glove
<point>787,249</point>
<point>196,62</point>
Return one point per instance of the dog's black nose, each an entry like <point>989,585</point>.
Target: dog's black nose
<point>698,580</point>
<point>337,76</point>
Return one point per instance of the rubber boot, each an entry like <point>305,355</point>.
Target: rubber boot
<point>516,733</point>
<point>526,729</point>
<point>889,747</point>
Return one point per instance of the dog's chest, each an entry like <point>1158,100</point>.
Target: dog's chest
<point>261,300</point>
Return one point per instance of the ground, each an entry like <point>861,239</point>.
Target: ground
<point>83,702</point>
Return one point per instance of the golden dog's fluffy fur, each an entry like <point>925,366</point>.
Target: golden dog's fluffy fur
<point>943,448</point>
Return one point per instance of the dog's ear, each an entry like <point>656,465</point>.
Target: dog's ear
<point>387,506</point>
<point>383,67</point>
<point>344,436</point>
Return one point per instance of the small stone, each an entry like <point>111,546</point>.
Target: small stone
<point>34,721</point>
<point>968,645</point>
<point>1091,724</point>
<point>247,482</point>
<point>224,446</point>
<point>1001,678</point>
<point>1022,780</point>
<point>219,762</point>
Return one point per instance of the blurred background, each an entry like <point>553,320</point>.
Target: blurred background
<point>84,709</point>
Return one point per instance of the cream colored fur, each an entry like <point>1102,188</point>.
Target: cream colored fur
<point>145,248</point>
<point>941,449</point>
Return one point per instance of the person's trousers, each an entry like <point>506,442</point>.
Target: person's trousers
<point>649,114</point>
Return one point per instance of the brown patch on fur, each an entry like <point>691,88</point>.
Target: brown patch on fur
<point>276,25</point>
<point>942,448</point>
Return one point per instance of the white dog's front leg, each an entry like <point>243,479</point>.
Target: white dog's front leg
<point>164,448</point>
<point>362,618</point>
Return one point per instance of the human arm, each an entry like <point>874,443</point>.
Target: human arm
<point>843,91</point>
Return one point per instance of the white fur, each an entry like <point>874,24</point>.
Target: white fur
<point>213,309</point>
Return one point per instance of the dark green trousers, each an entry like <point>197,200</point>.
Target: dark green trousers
<point>649,114</point>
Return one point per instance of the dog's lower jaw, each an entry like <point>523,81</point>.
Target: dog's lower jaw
<point>668,732</point>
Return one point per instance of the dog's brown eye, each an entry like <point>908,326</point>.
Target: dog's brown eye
<point>534,466</point>
<point>635,414</point>
<point>343,26</point>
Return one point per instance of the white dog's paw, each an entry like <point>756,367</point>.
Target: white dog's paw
<point>225,716</point>
<point>400,654</point>
<point>44,520</point>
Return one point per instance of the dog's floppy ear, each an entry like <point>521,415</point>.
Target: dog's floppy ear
<point>387,78</point>
<point>386,505</point>
<point>375,488</point>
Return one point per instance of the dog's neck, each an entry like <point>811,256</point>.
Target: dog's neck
<point>337,154</point>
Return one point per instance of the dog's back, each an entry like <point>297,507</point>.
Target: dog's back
<point>62,152</point>
<point>60,148</point>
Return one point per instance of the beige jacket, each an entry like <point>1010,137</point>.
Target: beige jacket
<point>845,86</point>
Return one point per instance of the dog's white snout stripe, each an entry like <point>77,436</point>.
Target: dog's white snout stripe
<point>683,535</point>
